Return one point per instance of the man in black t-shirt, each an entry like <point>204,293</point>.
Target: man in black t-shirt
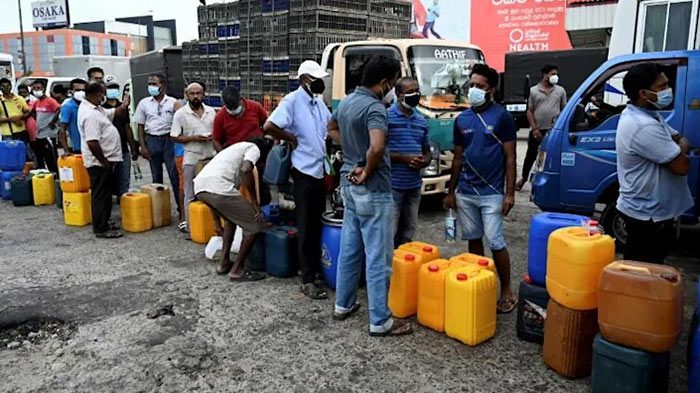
<point>122,123</point>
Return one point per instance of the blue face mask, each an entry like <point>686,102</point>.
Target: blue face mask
<point>477,97</point>
<point>664,98</point>
<point>112,94</point>
<point>153,90</point>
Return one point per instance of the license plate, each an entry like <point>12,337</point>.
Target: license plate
<point>516,107</point>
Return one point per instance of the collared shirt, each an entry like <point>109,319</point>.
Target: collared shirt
<point>306,118</point>
<point>358,113</point>
<point>9,107</point>
<point>69,117</point>
<point>407,135</point>
<point>220,175</point>
<point>187,122</point>
<point>157,117</point>
<point>46,109</point>
<point>547,105</point>
<point>648,190</point>
<point>96,125</point>
<point>482,135</point>
<point>229,129</point>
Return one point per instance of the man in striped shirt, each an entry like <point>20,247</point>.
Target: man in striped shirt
<point>410,152</point>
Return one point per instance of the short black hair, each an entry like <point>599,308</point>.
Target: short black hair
<point>547,68</point>
<point>93,70</point>
<point>379,68</point>
<point>94,87</point>
<point>77,81</point>
<point>230,95</point>
<point>161,78</point>
<point>487,72</point>
<point>39,82</point>
<point>22,87</point>
<point>402,81</point>
<point>640,77</point>
<point>5,80</point>
<point>59,89</point>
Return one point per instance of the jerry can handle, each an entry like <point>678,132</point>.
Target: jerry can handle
<point>628,268</point>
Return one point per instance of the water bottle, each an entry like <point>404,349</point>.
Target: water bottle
<point>450,227</point>
<point>137,171</point>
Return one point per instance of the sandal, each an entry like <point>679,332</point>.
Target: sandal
<point>398,328</point>
<point>224,268</point>
<point>109,235</point>
<point>313,292</point>
<point>183,227</point>
<point>248,276</point>
<point>343,316</point>
<point>506,306</point>
<point>113,226</point>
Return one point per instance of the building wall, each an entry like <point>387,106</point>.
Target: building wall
<point>42,46</point>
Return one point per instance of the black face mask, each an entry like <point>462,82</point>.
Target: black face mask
<point>317,86</point>
<point>412,100</point>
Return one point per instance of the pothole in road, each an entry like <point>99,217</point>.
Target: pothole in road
<point>34,331</point>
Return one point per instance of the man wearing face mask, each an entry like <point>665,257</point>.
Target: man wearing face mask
<point>360,126</point>
<point>69,118</point>
<point>482,186</point>
<point>547,99</point>
<point>301,120</point>
<point>46,110</point>
<point>192,126</point>
<point>13,113</point>
<point>652,165</point>
<point>130,150</point>
<point>410,152</point>
<point>239,120</point>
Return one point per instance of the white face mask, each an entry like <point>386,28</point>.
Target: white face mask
<point>554,79</point>
<point>477,96</point>
<point>79,95</point>
<point>389,97</point>
<point>38,93</point>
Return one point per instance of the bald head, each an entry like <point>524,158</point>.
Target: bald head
<point>195,95</point>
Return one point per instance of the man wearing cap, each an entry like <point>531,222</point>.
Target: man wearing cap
<point>301,120</point>
<point>122,170</point>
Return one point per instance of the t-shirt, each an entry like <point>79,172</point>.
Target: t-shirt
<point>407,135</point>
<point>358,113</point>
<point>229,130</point>
<point>10,107</point>
<point>120,122</point>
<point>433,13</point>
<point>483,161</point>
<point>46,109</point>
<point>220,175</point>
<point>546,106</point>
<point>187,123</point>
<point>648,190</point>
<point>96,123</point>
<point>69,116</point>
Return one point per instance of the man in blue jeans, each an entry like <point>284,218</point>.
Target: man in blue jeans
<point>483,175</point>
<point>410,152</point>
<point>360,125</point>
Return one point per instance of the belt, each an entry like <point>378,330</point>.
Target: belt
<point>158,136</point>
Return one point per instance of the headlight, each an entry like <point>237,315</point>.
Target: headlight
<point>539,164</point>
<point>433,168</point>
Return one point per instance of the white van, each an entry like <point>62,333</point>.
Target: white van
<point>50,82</point>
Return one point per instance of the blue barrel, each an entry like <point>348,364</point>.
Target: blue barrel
<point>22,193</point>
<point>542,225</point>
<point>13,155</point>
<point>618,369</point>
<point>330,247</point>
<point>694,350</point>
<point>6,188</point>
<point>281,254</point>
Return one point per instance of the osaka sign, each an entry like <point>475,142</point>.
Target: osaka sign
<point>50,14</point>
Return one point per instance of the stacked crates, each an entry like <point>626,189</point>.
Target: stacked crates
<point>389,19</point>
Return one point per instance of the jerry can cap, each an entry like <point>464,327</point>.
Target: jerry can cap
<point>409,257</point>
<point>527,279</point>
<point>483,262</point>
<point>433,267</point>
<point>291,232</point>
<point>427,249</point>
<point>462,276</point>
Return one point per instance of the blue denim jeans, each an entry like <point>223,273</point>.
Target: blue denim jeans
<point>481,215</point>
<point>367,220</point>
<point>162,152</point>
<point>406,205</point>
<point>122,173</point>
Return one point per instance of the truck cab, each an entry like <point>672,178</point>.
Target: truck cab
<point>441,67</point>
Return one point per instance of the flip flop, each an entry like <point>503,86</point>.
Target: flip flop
<point>313,292</point>
<point>113,226</point>
<point>249,276</point>
<point>182,227</point>
<point>511,304</point>
<point>109,235</point>
<point>398,328</point>
<point>343,316</point>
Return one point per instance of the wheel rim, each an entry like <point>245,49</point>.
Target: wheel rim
<point>619,229</point>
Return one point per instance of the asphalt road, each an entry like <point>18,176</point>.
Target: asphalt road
<point>73,318</point>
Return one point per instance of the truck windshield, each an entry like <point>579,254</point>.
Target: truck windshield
<point>6,69</point>
<point>441,73</point>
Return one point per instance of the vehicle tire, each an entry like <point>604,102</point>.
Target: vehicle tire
<point>614,225</point>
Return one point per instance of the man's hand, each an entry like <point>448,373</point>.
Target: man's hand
<point>201,138</point>
<point>259,217</point>
<point>292,140</point>
<point>508,203</point>
<point>145,153</point>
<point>449,202</point>
<point>106,164</point>
<point>418,162</point>
<point>537,134</point>
<point>684,144</point>
<point>357,176</point>
<point>126,101</point>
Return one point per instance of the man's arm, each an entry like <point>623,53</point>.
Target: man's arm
<point>509,200</point>
<point>562,103</point>
<point>96,151</point>
<point>63,138</point>
<point>334,131</point>
<point>133,145</point>
<point>142,138</point>
<point>271,129</point>
<point>217,132</point>
<point>531,114</point>
<point>375,153</point>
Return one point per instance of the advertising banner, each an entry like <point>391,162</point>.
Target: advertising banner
<point>50,14</point>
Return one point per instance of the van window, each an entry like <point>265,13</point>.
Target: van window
<point>357,57</point>
<point>666,26</point>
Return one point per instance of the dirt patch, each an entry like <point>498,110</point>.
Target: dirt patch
<point>34,331</point>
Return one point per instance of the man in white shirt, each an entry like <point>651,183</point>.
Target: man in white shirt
<point>102,149</point>
<point>227,186</point>
<point>192,126</point>
<point>154,116</point>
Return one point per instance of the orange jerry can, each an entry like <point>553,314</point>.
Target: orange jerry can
<point>136,212</point>
<point>202,226</point>
<point>470,305</point>
<point>575,261</point>
<point>641,305</point>
<point>568,340</point>
<point>478,261</point>
<point>403,287</point>
<point>428,252</point>
<point>431,293</point>
<point>73,175</point>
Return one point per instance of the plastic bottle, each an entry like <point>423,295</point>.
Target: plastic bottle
<point>593,227</point>
<point>450,227</point>
<point>137,171</point>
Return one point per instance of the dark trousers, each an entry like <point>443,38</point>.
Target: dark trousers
<point>161,149</point>
<point>648,241</point>
<point>45,157</point>
<point>430,26</point>
<point>310,200</point>
<point>533,146</point>
<point>102,183</point>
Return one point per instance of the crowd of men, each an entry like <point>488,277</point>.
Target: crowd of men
<point>218,157</point>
